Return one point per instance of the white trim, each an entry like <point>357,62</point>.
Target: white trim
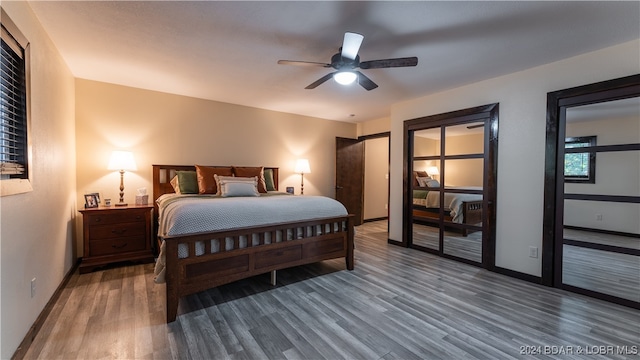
<point>15,186</point>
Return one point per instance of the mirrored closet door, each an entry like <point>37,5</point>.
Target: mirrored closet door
<point>450,187</point>
<point>594,226</point>
<point>601,226</point>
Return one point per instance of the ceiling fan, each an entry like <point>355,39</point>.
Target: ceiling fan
<point>347,60</point>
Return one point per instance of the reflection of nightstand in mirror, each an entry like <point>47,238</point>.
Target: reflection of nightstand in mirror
<point>114,234</point>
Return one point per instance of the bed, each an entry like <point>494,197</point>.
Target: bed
<point>210,255</point>
<point>460,208</point>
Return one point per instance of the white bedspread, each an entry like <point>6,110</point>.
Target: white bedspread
<point>187,214</point>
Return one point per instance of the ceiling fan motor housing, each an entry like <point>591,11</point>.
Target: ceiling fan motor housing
<point>338,62</point>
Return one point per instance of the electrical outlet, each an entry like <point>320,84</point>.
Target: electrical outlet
<point>533,252</point>
<point>598,217</point>
<point>33,287</point>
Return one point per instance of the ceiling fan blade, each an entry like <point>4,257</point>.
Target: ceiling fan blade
<point>320,81</point>
<point>365,82</point>
<point>351,45</point>
<point>303,63</point>
<point>474,126</point>
<point>389,63</point>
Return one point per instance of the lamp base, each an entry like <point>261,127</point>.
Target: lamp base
<point>121,204</point>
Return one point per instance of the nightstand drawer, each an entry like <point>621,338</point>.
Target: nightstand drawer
<point>116,246</point>
<point>116,234</point>
<point>116,218</point>
<point>99,232</point>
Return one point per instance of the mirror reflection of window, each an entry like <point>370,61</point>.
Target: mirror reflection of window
<point>580,166</point>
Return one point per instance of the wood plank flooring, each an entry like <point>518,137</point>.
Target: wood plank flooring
<point>467,247</point>
<point>397,304</point>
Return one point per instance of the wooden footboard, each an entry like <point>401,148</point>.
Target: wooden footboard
<point>471,214</point>
<point>314,240</point>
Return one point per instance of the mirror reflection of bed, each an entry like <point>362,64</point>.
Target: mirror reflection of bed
<point>464,173</point>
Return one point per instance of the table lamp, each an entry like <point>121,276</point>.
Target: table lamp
<point>122,161</point>
<point>302,167</point>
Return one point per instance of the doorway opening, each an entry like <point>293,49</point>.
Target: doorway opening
<point>362,176</point>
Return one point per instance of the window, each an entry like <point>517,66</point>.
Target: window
<point>14,93</point>
<point>579,167</point>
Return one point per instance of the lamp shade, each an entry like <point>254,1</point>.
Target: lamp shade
<point>345,77</point>
<point>302,166</point>
<point>432,170</point>
<point>122,160</point>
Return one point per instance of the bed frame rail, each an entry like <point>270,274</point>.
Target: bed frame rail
<point>314,240</point>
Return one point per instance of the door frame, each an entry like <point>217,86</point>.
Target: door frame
<point>386,134</point>
<point>489,112</point>
<point>553,217</point>
<point>362,139</point>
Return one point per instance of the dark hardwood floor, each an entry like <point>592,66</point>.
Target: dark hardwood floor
<point>397,304</point>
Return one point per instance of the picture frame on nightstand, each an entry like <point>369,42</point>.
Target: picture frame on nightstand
<point>91,200</point>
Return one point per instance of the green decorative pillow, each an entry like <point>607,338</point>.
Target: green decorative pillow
<point>268,179</point>
<point>187,181</point>
<point>420,194</point>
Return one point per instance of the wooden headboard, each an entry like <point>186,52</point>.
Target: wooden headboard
<point>162,175</point>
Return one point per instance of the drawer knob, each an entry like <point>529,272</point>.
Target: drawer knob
<point>98,219</point>
<point>119,231</point>
<point>119,246</point>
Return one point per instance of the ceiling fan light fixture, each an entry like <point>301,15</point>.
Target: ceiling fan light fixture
<point>345,77</point>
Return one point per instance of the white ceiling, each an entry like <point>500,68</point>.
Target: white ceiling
<point>228,51</point>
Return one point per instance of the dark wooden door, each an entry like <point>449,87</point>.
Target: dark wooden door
<point>350,176</point>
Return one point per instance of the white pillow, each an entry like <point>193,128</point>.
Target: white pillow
<point>176,186</point>
<point>422,180</point>
<point>219,178</point>
<point>238,187</point>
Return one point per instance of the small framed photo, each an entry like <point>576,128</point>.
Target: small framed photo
<point>91,200</point>
<point>290,189</point>
<point>97,195</point>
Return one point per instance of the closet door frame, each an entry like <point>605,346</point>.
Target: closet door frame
<point>553,218</point>
<point>488,114</point>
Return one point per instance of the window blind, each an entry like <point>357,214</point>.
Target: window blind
<point>13,119</point>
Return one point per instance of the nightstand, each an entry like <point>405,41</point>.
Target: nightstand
<point>115,234</point>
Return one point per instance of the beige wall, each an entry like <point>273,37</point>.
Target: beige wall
<point>466,172</point>
<point>523,99</point>
<point>36,228</point>
<point>376,126</point>
<point>376,168</point>
<point>423,146</point>
<point>161,128</point>
<point>376,183</point>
